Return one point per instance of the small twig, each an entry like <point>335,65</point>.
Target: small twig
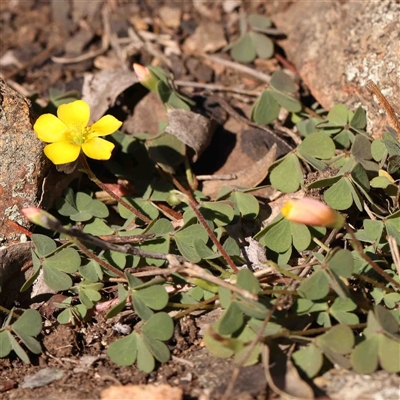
<point>128,239</point>
<point>105,43</point>
<point>217,88</point>
<point>394,249</point>
<point>195,307</point>
<point>383,101</point>
<point>96,258</point>
<point>193,204</point>
<point>222,177</point>
<point>195,271</point>
<point>149,47</point>
<point>231,111</point>
<point>30,63</point>
<point>358,247</point>
<point>104,187</point>
<point>237,66</point>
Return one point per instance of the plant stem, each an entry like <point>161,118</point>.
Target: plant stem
<point>104,187</point>
<point>96,258</point>
<point>193,204</point>
<point>321,244</point>
<point>193,307</point>
<point>358,247</point>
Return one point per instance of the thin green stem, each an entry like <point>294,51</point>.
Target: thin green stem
<point>321,244</point>
<point>104,187</point>
<point>195,307</point>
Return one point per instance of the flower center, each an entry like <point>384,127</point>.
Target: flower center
<point>78,134</point>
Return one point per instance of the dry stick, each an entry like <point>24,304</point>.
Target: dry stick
<point>195,307</point>
<point>394,249</point>
<point>193,205</point>
<point>239,67</point>
<point>40,57</point>
<point>358,247</point>
<point>198,272</point>
<point>94,257</point>
<point>217,88</point>
<point>104,187</point>
<point>394,122</point>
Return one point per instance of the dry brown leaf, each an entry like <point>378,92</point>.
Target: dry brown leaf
<point>193,129</point>
<point>100,90</point>
<point>248,177</point>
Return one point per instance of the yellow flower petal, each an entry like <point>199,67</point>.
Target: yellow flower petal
<point>98,149</point>
<point>50,129</point>
<point>62,152</point>
<point>104,126</point>
<point>75,115</point>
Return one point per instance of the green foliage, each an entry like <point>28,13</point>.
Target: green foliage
<point>319,287</point>
<point>279,94</point>
<point>252,41</point>
<point>25,328</point>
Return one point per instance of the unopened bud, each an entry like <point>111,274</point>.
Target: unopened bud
<point>40,217</point>
<point>146,77</point>
<point>312,212</point>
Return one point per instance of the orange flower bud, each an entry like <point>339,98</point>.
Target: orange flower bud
<point>40,217</point>
<point>310,211</point>
<point>145,76</point>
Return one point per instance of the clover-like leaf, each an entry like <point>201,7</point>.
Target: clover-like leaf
<point>124,351</point>
<point>246,280</point>
<point>145,360</point>
<point>315,287</point>
<point>247,204</point>
<point>342,263</point>
<point>339,195</point>
<point>243,49</point>
<point>30,323</point>
<point>159,326</point>
<point>282,82</point>
<point>265,109</point>
<point>158,349</point>
<point>364,357</point>
<point>262,44</point>
<point>231,320</point>
<point>309,359</point>
<point>318,145</point>
<point>5,344</point>
<point>287,176</point>
<point>279,237</point>
<point>43,244</point>
<point>155,297</point>
<point>56,279</point>
<point>66,260</point>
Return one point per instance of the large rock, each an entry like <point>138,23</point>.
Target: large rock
<point>338,46</point>
<point>23,164</point>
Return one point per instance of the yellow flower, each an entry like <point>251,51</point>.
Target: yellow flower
<point>69,133</point>
<point>310,211</point>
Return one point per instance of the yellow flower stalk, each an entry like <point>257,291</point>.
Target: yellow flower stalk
<point>69,133</point>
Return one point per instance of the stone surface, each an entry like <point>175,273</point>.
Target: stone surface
<point>23,164</point>
<point>142,392</point>
<point>208,37</point>
<point>338,46</point>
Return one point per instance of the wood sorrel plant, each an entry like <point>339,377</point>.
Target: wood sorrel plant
<point>330,285</point>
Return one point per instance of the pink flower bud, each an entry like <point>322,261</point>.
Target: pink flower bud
<point>40,217</point>
<point>145,76</point>
<point>310,211</point>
